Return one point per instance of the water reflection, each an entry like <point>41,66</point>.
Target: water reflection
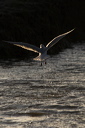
<point>51,95</point>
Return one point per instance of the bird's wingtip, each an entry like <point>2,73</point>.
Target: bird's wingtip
<point>70,31</point>
<point>73,29</point>
<point>4,41</point>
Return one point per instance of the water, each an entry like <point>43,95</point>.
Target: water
<point>48,96</point>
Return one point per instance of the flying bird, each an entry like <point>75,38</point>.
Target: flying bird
<point>42,50</point>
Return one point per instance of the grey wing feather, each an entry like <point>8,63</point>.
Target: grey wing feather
<point>26,46</point>
<point>56,39</point>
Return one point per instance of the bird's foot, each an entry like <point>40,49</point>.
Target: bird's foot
<point>45,62</point>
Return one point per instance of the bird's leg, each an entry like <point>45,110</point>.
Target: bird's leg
<point>45,62</point>
<point>41,63</point>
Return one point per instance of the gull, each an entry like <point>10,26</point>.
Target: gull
<point>42,57</point>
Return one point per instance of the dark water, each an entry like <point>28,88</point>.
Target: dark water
<point>48,96</point>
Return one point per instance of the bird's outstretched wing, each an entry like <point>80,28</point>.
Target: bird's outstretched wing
<point>56,39</point>
<point>26,46</point>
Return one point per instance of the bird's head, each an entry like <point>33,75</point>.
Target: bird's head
<point>42,46</point>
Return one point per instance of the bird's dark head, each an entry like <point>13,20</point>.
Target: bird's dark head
<point>42,46</point>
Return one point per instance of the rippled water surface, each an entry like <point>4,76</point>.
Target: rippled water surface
<point>48,96</point>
